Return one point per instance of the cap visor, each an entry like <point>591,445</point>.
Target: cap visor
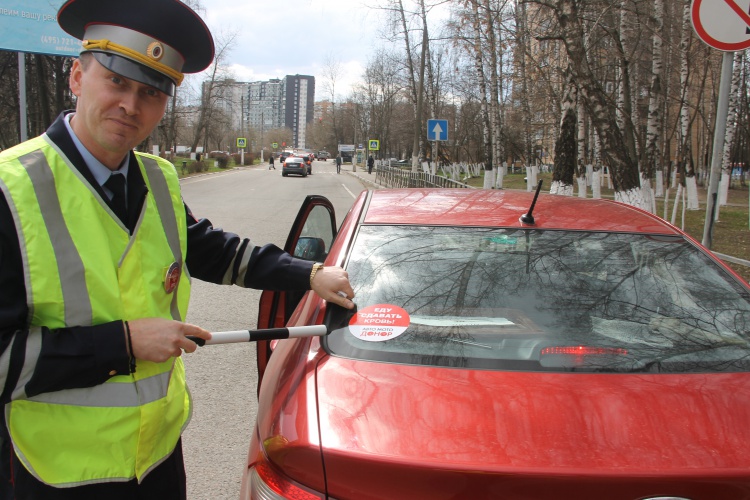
<point>135,71</point>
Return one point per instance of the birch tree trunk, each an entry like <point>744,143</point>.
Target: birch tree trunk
<point>653,128</point>
<point>685,167</point>
<point>581,169</point>
<point>627,109</point>
<point>726,162</point>
<point>566,150</point>
<point>523,40</point>
<point>596,178</point>
<point>416,145</point>
<point>495,131</point>
<point>476,53</point>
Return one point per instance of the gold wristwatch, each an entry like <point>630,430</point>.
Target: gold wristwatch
<point>317,266</point>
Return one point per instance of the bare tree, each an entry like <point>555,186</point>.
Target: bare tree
<point>211,88</point>
<point>332,71</point>
<point>623,167</point>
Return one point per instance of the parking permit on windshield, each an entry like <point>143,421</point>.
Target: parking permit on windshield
<point>379,323</point>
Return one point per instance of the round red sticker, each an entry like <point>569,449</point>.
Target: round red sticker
<point>379,323</point>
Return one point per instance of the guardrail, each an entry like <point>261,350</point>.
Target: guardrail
<point>394,177</point>
<point>734,260</point>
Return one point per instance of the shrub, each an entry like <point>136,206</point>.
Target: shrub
<point>197,166</point>
<point>222,161</point>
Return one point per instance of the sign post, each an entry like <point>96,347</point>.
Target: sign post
<point>241,145</point>
<point>437,130</point>
<point>723,25</point>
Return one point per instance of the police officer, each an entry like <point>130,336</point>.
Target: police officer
<point>95,250</point>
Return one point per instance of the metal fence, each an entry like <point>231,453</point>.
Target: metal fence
<point>394,177</point>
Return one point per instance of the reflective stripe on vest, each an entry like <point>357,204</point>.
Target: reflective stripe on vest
<point>123,428</point>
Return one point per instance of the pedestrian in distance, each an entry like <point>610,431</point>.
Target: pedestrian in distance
<point>270,162</point>
<point>96,251</point>
<point>338,163</point>
<point>370,164</point>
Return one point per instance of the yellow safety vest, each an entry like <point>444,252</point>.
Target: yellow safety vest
<point>83,268</point>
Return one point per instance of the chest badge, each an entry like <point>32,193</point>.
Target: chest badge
<point>172,278</point>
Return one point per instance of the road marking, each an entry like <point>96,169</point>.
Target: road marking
<point>347,190</point>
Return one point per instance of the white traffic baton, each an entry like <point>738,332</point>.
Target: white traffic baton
<point>261,334</point>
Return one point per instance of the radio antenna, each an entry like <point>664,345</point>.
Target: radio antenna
<point>528,218</point>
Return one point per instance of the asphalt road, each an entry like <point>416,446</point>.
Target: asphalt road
<point>260,204</point>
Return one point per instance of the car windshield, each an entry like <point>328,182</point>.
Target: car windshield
<point>538,300</point>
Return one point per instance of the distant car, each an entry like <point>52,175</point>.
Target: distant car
<point>284,155</point>
<point>583,350</point>
<point>323,155</point>
<point>346,157</point>
<point>307,157</point>
<point>294,165</point>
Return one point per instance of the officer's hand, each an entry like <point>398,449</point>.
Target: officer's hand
<point>158,339</point>
<point>328,281</point>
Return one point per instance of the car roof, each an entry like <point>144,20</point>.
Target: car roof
<point>503,208</point>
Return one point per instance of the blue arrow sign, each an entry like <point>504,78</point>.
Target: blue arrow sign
<point>437,130</point>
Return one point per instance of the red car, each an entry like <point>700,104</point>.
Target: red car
<point>583,349</point>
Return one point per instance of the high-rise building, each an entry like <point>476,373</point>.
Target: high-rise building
<point>263,110</point>
<point>267,105</point>
<point>298,105</point>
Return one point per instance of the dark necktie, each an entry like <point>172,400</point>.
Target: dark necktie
<point>116,184</point>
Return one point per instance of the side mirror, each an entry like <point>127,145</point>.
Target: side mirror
<point>310,249</point>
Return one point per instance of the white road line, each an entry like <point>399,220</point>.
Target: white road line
<point>347,190</point>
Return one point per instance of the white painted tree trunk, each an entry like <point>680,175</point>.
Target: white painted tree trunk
<point>659,179</point>
<point>596,184</point>
<point>582,193</point>
<point>692,193</point>
<point>489,179</point>
<point>561,188</point>
<point>726,163</point>
<point>676,203</point>
<point>632,197</point>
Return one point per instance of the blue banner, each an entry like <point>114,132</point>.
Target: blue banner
<point>31,26</point>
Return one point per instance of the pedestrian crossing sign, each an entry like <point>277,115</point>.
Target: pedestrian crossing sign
<point>241,142</point>
<point>374,145</point>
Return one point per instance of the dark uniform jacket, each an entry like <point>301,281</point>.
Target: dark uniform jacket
<point>84,356</point>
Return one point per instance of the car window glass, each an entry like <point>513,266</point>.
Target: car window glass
<point>316,235</point>
<point>547,300</point>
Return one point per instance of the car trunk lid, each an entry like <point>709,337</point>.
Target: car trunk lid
<point>402,431</point>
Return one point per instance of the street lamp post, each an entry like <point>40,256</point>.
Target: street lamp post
<point>262,126</point>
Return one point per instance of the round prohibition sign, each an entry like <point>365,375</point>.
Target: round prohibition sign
<point>722,24</point>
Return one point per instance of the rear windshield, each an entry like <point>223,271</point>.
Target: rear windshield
<point>542,301</point>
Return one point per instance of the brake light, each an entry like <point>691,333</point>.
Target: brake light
<point>581,350</point>
<point>266,483</point>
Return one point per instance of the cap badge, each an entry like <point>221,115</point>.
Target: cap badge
<point>172,278</point>
<point>155,51</point>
